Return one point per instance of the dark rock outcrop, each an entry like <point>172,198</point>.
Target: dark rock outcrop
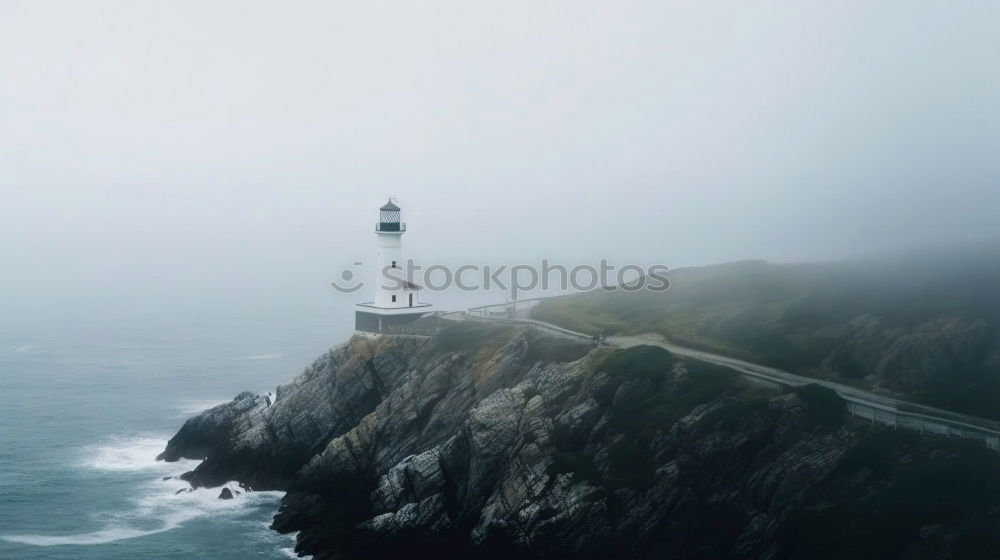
<point>487,441</point>
<point>264,446</point>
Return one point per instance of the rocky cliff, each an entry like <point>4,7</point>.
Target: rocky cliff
<point>494,441</point>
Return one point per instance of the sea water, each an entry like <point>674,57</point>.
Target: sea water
<point>86,407</point>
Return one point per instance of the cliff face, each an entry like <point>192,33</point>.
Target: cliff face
<point>486,441</point>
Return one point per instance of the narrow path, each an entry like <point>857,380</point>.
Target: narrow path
<point>877,408</point>
<point>794,380</point>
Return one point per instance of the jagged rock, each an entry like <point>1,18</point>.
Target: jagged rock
<point>264,446</point>
<point>473,444</point>
<point>579,420</point>
<point>414,478</point>
<point>226,494</point>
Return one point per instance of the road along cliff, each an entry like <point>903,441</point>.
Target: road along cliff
<point>490,440</point>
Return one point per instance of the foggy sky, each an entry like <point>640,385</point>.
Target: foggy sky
<point>176,153</point>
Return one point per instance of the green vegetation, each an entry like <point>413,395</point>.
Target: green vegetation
<point>643,395</point>
<point>472,335</point>
<point>943,486</point>
<point>641,363</point>
<point>581,317</point>
<point>928,325</point>
<point>730,415</point>
<point>486,338</point>
<point>825,409</point>
<point>652,404</point>
<point>547,348</point>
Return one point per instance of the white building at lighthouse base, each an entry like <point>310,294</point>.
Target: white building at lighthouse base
<point>369,318</point>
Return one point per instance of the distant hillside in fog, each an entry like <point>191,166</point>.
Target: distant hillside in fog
<point>921,325</point>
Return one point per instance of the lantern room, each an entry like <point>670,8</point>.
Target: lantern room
<point>388,219</point>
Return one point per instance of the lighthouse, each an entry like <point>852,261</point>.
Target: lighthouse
<point>396,298</point>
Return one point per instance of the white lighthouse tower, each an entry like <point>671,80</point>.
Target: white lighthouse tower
<point>396,297</point>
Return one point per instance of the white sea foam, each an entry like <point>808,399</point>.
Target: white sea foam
<point>134,453</point>
<point>258,357</point>
<point>188,408</point>
<point>26,348</point>
<point>103,536</point>
<point>159,506</point>
<point>289,551</point>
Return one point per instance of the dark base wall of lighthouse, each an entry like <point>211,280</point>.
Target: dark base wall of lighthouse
<point>376,323</point>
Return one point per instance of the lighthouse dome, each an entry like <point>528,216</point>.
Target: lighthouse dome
<point>388,218</point>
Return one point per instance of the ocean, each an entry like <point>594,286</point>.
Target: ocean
<point>87,406</point>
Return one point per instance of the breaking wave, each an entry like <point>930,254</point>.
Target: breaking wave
<point>131,454</point>
<point>258,357</point>
<point>197,406</point>
<point>159,505</point>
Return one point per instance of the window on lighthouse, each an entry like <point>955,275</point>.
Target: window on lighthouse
<point>394,299</point>
<point>393,264</point>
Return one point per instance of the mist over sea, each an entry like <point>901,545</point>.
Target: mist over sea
<point>87,405</point>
